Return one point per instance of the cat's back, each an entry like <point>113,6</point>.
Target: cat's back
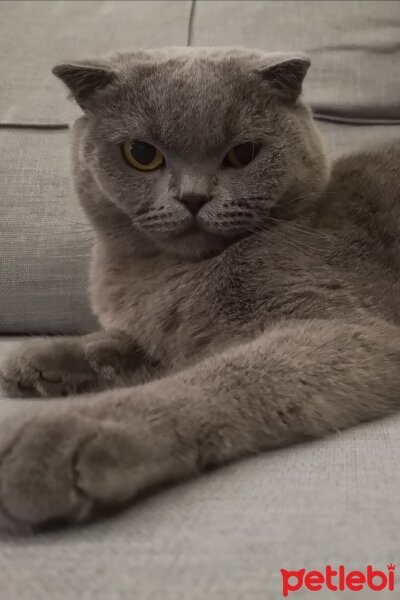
<point>364,191</point>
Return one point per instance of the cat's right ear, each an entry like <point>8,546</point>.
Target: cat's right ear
<point>285,74</point>
<point>84,79</point>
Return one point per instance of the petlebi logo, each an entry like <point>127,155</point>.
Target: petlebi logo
<point>339,579</point>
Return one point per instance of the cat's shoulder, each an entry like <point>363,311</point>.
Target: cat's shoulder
<point>370,163</point>
<point>366,182</point>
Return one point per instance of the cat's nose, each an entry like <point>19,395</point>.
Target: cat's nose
<point>194,202</point>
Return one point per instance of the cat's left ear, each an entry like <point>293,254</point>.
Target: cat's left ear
<point>285,75</point>
<point>85,78</point>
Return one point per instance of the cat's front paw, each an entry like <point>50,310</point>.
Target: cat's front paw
<point>64,465</point>
<point>63,366</point>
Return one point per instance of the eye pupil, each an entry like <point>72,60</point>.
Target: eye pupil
<point>242,155</point>
<point>142,152</point>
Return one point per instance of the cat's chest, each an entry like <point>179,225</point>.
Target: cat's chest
<point>174,311</point>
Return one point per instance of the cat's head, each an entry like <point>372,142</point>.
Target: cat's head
<point>195,145</point>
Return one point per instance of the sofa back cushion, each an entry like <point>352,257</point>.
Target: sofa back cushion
<point>354,47</point>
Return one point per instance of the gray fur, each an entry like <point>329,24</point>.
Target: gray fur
<point>276,321</point>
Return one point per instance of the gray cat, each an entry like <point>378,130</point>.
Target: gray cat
<point>248,294</point>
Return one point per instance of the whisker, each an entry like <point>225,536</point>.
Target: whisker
<point>301,228</point>
<point>324,193</point>
<point>298,245</point>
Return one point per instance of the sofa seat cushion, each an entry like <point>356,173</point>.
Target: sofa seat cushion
<point>228,533</point>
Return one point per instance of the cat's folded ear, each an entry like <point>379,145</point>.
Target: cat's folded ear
<point>85,78</point>
<point>285,75</point>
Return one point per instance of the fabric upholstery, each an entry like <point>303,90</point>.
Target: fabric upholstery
<point>227,534</point>
<point>354,47</point>
<point>342,139</point>
<point>36,35</point>
<point>44,237</point>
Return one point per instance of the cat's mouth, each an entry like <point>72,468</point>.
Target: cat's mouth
<point>193,228</point>
<point>197,229</point>
<point>195,240</point>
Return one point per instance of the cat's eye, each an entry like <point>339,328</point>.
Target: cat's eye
<point>241,155</point>
<point>142,156</point>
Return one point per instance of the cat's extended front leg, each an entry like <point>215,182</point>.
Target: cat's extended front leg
<point>62,366</point>
<point>296,381</point>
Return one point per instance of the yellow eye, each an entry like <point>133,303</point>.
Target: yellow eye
<point>241,155</point>
<point>142,156</point>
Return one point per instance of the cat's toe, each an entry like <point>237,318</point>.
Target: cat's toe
<point>37,476</point>
<point>18,379</point>
<point>68,462</point>
<point>113,465</point>
<point>47,368</point>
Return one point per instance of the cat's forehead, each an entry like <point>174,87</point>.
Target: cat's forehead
<point>200,98</point>
<point>189,58</point>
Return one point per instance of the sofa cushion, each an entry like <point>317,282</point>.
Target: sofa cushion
<point>227,534</point>
<point>34,36</point>
<point>44,237</point>
<point>346,138</point>
<point>354,47</point>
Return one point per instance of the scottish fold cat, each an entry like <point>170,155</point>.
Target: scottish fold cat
<point>247,291</point>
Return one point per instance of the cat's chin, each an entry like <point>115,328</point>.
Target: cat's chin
<point>194,244</point>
